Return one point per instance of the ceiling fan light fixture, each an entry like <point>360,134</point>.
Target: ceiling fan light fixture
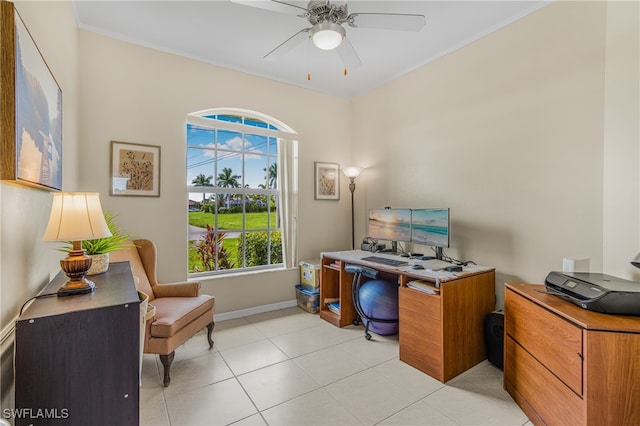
<point>327,35</point>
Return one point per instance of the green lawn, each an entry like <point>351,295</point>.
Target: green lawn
<point>231,220</point>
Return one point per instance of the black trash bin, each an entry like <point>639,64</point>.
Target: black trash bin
<point>494,337</point>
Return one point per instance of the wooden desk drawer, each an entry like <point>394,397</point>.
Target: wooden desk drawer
<point>553,341</point>
<point>554,402</point>
<point>421,331</point>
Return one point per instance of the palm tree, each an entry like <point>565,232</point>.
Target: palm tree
<point>272,176</point>
<point>202,180</point>
<point>227,179</point>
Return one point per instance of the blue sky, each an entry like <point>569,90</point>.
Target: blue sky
<point>258,151</point>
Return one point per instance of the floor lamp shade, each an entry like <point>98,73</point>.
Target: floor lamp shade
<point>76,216</point>
<point>351,172</point>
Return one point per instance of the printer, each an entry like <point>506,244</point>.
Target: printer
<point>596,292</point>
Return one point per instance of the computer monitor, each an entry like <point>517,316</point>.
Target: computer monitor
<point>390,225</point>
<point>430,227</point>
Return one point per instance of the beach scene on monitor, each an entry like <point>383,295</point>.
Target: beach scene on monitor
<point>430,227</point>
<point>390,224</point>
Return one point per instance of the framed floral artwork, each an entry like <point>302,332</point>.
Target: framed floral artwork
<point>327,181</point>
<point>135,169</point>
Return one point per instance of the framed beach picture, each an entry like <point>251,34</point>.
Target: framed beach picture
<point>31,118</point>
<point>135,169</point>
<point>327,181</point>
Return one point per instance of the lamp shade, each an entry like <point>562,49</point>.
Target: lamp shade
<point>352,171</point>
<point>327,35</point>
<point>76,216</point>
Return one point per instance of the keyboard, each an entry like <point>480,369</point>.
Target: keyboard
<point>385,261</point>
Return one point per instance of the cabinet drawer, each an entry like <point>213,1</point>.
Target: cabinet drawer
<point>421,332</point>
<point>552,340</point>
<point>554,402</point>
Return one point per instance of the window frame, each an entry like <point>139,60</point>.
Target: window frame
<point>270,130</point>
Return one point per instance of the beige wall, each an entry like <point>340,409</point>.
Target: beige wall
<point>140,95</point>
<point>508,133</point>
<point>26,263</point>
<point>621,202</point>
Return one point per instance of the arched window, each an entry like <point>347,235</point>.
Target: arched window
<point>242,184</point>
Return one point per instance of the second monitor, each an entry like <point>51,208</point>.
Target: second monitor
<point>420,226</point>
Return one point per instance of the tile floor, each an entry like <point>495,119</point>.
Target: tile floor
<point>289,367</point>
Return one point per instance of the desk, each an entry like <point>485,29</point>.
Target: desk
<point>440,334</point>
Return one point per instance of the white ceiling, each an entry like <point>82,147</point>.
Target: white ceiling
<point>237,36</point>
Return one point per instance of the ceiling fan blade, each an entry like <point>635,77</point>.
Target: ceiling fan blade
<point>348,54</point>
<point>387,21</point>
<point>273,5</point>
<point>288,44</point>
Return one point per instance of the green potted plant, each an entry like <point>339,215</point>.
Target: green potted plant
<point>100,248</point>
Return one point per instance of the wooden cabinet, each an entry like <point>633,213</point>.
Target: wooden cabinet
<point>336,283</point>
<point>567,365</point>
<point>77,357</point>
<point>441,335</point>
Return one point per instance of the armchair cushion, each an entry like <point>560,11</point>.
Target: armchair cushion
<point>185,289</point>
<point>175,313</point>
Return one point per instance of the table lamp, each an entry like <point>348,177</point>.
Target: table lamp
<point>76,216</point>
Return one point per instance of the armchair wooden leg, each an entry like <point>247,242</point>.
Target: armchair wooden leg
<point>209,331</point>
<point>166,361</point>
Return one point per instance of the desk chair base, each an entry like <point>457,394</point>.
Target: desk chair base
<point>358,272</point>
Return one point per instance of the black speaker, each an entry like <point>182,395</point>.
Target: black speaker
<point>494,337</point>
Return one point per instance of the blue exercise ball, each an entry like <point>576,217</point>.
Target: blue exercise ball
<point>379,300</point>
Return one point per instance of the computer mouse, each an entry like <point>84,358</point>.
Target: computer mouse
<point>417,266</point>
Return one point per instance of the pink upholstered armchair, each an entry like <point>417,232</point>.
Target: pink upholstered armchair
<point>180,310</point>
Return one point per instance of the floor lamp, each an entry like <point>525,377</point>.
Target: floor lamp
<point>352,173</point>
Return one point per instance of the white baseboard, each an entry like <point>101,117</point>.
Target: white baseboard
<point>254,310</point>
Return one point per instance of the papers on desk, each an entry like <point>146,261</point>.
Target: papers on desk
<point>423,287</point>
<point>435,264</point>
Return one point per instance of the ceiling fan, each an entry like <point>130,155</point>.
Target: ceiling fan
<point>327,31</point>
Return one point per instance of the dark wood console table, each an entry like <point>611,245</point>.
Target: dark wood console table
<point>440,334</point>
<point>77,357</point>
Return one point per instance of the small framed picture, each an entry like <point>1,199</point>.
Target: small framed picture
<point>327,179</point>
<point>135,169</point>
